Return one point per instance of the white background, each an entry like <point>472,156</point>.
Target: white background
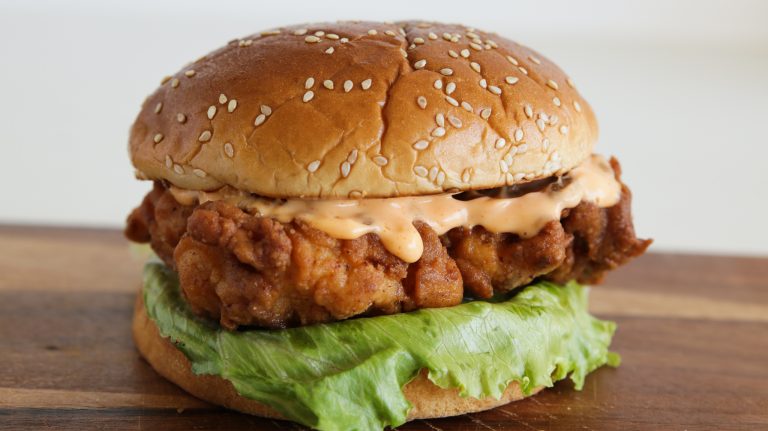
<point>680,89</point>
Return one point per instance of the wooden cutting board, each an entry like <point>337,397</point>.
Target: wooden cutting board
<point>693,333</point>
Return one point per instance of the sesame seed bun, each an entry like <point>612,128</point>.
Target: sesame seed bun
<point>428,400</point>
<point>363,109</point>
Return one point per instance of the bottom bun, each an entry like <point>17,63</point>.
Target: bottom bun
<point>428,399</point>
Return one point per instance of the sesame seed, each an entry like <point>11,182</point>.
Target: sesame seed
<point>466,106</point>
<point>266,110</point>
<point>168,161</point>
<point>421,145</point>
<point>491,43</point>
<point>519,135</point>
<point>190,73</point>
<point>553,120</point>
<point>308,96</point>
<point>174,82</point>
<point>494,89</point>
<point>348,86</point>
<point>450,88</point>
<point>544,116</point>
<point>345,168</point>
<point>576,106</point>
<point>455,121</point>
<point>453,53</point>
<point>508,158</point>
<point>440,120</point>
<point>446,71</point>
<point>485,113</point>
<point>312,166</point>
<point>523,70</point>
<point>441,177</point>
<point>465,53</point>
<point>181,118</point>
<point>541,124</point>
<point>205,136</point>
<point>528,111</point>
<point>328,84</point>
<point>366,84</point>
<point>199,172</point>
<point>329,50</point>
<point>418,40</point>
<point>270,32</point>
<point>229,150</point>
<point>501,142</point>
<point>344,40</point>
<point>260,119</point>
<point>352,157</point>
<point>300,32</point>
<point>476,46</point>
<point>420,64</point>
<point>390,33</point>
<point>402,51</point>
<point>564,129</point>
<point>512,151</point>
<point>309,83</point>
<point>534,59</point>
<point>158,107</point>
<point>556,101</point>
<point>503,166</point>
<point>420,170</point>
<point>452,101</point>
<point>475,66</point>
<point>380,160</point>
<point>511,80</point>
<point>211,112</point>
<point>158,137</point>
<point>222,98</point>
<point>545,145</point>
<point>165,79</point>
<point>552,84</point>
<point>483,83</point>
<point>570,82</point>
<point>512,60</point>
<point>438,132</point>
<point>433,173</point>
<point>522,148</point>
<point>447,36</point>
<point>422,102</point>
<point>438,84</point>
<point>232,105</point>
<point>471,34</point>
<point>311,39</point>
<point>178,169</point>
<point>465,176</point>
<point>373,32</point>
<point>432,36</point>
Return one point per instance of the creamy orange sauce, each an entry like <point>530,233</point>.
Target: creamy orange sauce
<point>392,218</point>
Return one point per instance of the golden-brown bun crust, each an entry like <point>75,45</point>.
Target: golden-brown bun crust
<point>429,400</point>
<point>346,114</point>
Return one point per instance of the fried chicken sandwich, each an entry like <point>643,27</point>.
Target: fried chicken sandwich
<point>358,224</point>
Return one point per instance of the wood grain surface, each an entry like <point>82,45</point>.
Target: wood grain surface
<point>693,333</point>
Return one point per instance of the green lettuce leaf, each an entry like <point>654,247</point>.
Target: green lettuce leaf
<point>349,375</point>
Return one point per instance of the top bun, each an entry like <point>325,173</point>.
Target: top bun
<point>363,109</point>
